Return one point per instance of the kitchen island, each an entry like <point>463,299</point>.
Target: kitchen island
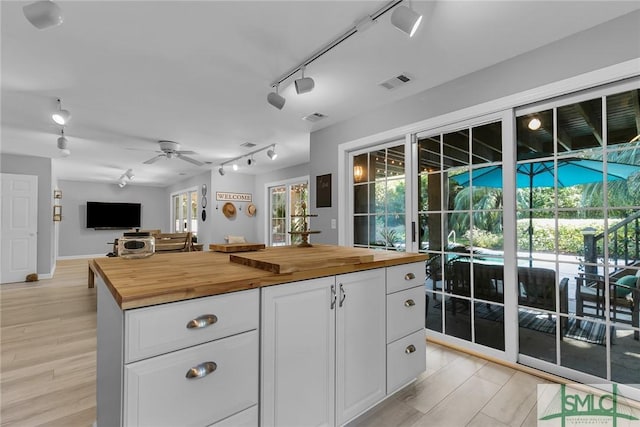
<point>281,336</point>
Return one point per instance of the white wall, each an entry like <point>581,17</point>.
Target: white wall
<point>42,168</point>
<point>77,240</point>
<point>608,44</point>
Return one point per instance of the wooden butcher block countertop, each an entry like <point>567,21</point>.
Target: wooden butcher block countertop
<point>164,278</point>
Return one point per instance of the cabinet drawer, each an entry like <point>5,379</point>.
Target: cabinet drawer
<point>405,276</point>
<point>246,418</point>
<point>404,363</point>
<point>151,331</point>
<point>405,313</point>
<point>159,393</point>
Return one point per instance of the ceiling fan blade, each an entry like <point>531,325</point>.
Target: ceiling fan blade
<point>154,159</point>
<point>190,160</point>
<point>186,152</point>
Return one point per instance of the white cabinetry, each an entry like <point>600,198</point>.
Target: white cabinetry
<point>189,363</point>
<point>406,345</point>
<point>316,331</point>
<point>298,348</point>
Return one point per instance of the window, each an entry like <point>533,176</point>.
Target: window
<point>379,198</point>
<point>185,211</point>
<point>286,200</point>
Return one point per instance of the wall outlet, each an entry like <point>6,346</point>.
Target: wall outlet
<point>333,223</point>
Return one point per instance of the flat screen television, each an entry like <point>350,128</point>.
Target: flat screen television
<point>113,215</point>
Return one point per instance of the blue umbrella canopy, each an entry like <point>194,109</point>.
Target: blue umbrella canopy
<point>571,171</point>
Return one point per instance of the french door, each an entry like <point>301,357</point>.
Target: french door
<point>184,211</point>
<point>287,200</point>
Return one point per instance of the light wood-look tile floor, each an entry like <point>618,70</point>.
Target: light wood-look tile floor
<point>48,368</point>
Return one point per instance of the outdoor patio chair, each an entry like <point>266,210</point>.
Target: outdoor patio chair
<point>537,289</point>
<point>623,300</point>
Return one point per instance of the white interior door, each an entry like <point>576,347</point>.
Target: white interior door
<point>19,227</point>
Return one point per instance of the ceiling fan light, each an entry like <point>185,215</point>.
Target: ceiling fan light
<point>406,20</point>
<point>276,100</point>
<point>43,14</point>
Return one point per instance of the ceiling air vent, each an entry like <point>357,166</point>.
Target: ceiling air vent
<point>396,81</point>
<point>315,117</point>
<point>248,145</point>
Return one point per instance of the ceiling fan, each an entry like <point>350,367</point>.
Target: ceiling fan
<point>170,150</point>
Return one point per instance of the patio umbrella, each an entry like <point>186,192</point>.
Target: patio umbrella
<point>570,171</point>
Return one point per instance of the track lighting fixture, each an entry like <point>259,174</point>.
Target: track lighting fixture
<point>275,99</point>
<point>61,116</point>
<point>304,84</point>
<point>43,14</point>
<point>62,144</point>
<point>128,174</point>
<point>251,161</point>
<point>272,153</point>
<point>406,20</point>
<point>402,18</point>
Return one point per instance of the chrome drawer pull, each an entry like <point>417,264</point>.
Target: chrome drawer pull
<point>410,349</point>
<point>202,321</point>
<point>409,303</point>
<point>202,370</point>
<point>409,276</point>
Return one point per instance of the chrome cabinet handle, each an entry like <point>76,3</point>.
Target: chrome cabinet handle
<point>202,321</point>
<point>410,349</point>
<point>333,296</point>
<point>201,370</point>
<point>409,276</point>
<point>409,303</point>
<point>343,295</point>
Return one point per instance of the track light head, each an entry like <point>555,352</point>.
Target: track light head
<point>43,14</point>
<point>122,183</point>
<point>234,166</point>
<point>304,84</point>
<point>275,99</point>
<point>221,170</point>
<point>406,20</point>
<point>272,153</point>
<point>61,117</point>
<point>129,174</point>
<point>251,161</point>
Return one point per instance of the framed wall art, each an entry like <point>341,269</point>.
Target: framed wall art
<point>323,191</point>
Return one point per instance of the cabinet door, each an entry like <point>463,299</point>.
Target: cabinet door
<point>298,350</point>
<point>360,342</point>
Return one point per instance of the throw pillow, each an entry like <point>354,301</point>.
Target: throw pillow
<point>622,291</point>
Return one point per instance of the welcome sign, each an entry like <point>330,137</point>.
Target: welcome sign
<point>233,197</point>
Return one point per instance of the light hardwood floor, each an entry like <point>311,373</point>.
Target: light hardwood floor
<point>48,368</point>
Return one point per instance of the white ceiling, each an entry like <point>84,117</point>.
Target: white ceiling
<point>132,73</point>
